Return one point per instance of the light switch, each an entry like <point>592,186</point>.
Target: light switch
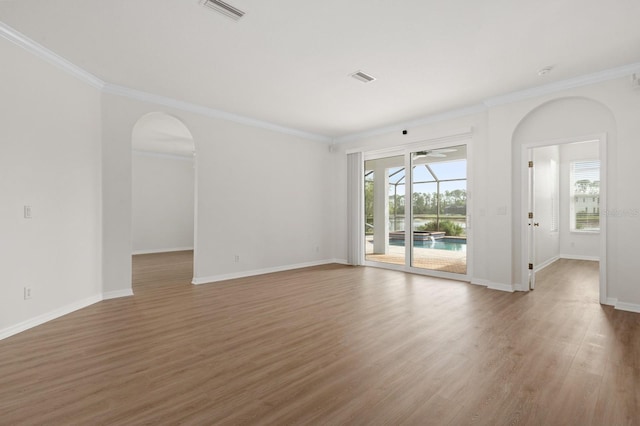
<point>27,212</point>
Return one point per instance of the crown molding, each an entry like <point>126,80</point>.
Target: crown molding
<point>546,89</point>
<point>42,52</point>
<point>48,55</point>
<point>142,96</point>
<point>508,98</point>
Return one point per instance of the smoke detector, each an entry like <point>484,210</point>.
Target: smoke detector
<point>224,8</point>
<point>363,77</point>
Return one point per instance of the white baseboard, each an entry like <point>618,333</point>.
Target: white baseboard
<point>254,272</point>
<point>546,263</point>
<point>41,319</point>
<point>480,281</point>
<point>520,287</point>
<point>501,287</point>
<point>117,294</point>
<point>622,306</point>
<point>579,257</point>
<point>57,313</point>
<point>164,250</point>
<point>340,261</point>
<point>492,286</point>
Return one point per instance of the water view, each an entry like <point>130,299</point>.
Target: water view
<point>397,223</point>
<point>451,244</point>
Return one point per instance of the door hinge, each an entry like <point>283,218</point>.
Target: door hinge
<point>530,215</point>
<point>530,163</point>
<point>531,266</point>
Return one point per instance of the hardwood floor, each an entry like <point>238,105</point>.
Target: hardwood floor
<point>329,345</point>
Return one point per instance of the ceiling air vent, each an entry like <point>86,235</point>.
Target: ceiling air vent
<point>363,77</point>
<point>224,8</point>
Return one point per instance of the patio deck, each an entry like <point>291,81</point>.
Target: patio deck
<point>426,258</point>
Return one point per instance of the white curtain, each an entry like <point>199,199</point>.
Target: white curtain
<point>355,209</point>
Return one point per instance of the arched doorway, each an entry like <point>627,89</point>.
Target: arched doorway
<point>163,185</point>
<point>559,136</point>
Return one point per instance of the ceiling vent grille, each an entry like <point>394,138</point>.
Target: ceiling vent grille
<point>363,77</point>
<point>224,8</point>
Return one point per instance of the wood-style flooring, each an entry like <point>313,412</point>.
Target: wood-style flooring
<point>329,345</point>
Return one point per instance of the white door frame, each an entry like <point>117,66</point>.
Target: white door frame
<point>194,267</point>
<point>526,150</point>
<point>531,221</point>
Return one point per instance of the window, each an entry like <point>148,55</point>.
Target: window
<point>584,188</point>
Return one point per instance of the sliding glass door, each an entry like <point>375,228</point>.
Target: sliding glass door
<point>435,212</point>
<point>439,209</point>
<point>384,185</point>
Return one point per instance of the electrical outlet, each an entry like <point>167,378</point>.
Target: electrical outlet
<point>317,249</point>
<point>236,259</point>
<point>27,293</point>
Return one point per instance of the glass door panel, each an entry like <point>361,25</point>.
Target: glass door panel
<point>439,209</point>
<point>384,190</point>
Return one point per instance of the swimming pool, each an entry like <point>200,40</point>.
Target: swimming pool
<point>451,244</point>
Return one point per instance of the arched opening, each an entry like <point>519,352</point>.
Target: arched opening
<point>163,189</point>
<point>552,145</point>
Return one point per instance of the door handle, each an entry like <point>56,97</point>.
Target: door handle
<point>536,224</point>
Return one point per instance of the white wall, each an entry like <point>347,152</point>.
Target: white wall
<point>575,245</point>
<point>610,107</point>
<point>547,240</point>
<point>163,202</point>
<point>264,196</point>
<point>49,159</point>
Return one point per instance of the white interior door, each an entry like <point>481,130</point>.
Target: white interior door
<point>546,203</point>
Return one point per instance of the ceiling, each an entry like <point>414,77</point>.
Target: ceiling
<point>288,62</point>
